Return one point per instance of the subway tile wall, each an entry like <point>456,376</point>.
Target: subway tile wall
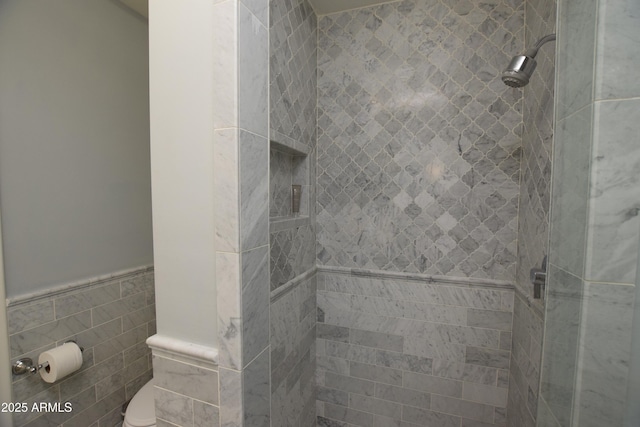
<point>111,319</point>
<point>187,392</point>
<point>293,355</point>
<point>418,139</point>
<point>393,351</point>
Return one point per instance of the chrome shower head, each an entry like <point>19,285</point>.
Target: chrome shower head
<point>522,67</point>
<point>519,71</point>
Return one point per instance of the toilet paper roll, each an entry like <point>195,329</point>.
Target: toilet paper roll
<point>62,361</point>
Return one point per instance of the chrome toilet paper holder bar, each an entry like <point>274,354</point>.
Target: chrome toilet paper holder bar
<point>25,365</point>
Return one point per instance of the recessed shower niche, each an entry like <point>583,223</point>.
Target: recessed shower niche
<point>289,168</point>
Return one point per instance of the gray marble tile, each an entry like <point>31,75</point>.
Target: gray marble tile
<point>139,317</point>
<point>448,368</point>
<point>253,66</point>
<point>405,362</point>
<point>109,385</point>
<point>100,333</point>
<point>292,62</point>
<point>225,64</point>
<point>95,412</point>
<point>135,352</point>
<point>229,309</point>
<point>77,302</point>
<point>333,364</point>
<point>254,190</point>
<point>330,395</point>
<point>189,380</point>
<point>173,407</point>
<point>351,385</point>
<point>118,308</point>
<point>348,415</point>
<point>205,415</point>
<point>112,419</point>
<point>376,373</point>
<point>376,406</point>
<point>255,302</point>
<point>386,201</point>
<point>570,192</point>
<point>231,403</point>
<point>139,283</point>
<point>260,8</point>
<point>333,333</point>
<point>431,384</point>
<point>378,340</point>
<point>226,164</point>
<point>500,320</point>
<point>29,316</point>
<point>614,223</point>
<point>605,353</point>
<point>487,395</point>
<point>487,357</point>
<point>577,19</point>
<point>48,333</point>
<point>563,311</point>
<point>256,386</point>
<point>403,395</point>
<point>463,408</point>
<point>81,380</point>
<point>424,417</point>
<point>110,347</point>
<point>617,36</point>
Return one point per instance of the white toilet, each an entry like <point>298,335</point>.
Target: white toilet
<point>141,411</point>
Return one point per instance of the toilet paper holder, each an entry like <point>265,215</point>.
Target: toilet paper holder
<point>25,365</point>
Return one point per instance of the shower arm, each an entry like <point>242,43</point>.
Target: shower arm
<point>532,52</point>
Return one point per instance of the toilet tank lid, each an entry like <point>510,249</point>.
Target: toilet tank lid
<point>141,412</point>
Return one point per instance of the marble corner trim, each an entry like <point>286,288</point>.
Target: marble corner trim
<point>289,145</point>
<point>432,279</point>
<point>77,285</point>
<point>292,284</point>
<point>167,346</point>
<point>286,223</point>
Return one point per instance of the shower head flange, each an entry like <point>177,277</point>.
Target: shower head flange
<point>521,67</point>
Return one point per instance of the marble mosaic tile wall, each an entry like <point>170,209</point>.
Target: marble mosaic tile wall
<point>293,355</point>
<point>292,115</point>
<point>111,319</point>
<point>292,53</point>
<point>533,215</point>
<point>293,59</point>
<point>537,145</point>
<point>394,351</point>
<point>418,139</point>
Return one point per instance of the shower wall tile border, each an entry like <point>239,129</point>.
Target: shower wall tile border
<point>111,316</point>
<point>426,278</point>
<point>394,348</point>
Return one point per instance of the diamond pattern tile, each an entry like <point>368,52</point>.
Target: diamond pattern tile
<point>292,253</point>
<point>293,105</point>
<point>418,139</point>
<point>537,141</point>
<point>293,56</point>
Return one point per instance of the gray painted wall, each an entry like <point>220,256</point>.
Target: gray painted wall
<point>74,141</point>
